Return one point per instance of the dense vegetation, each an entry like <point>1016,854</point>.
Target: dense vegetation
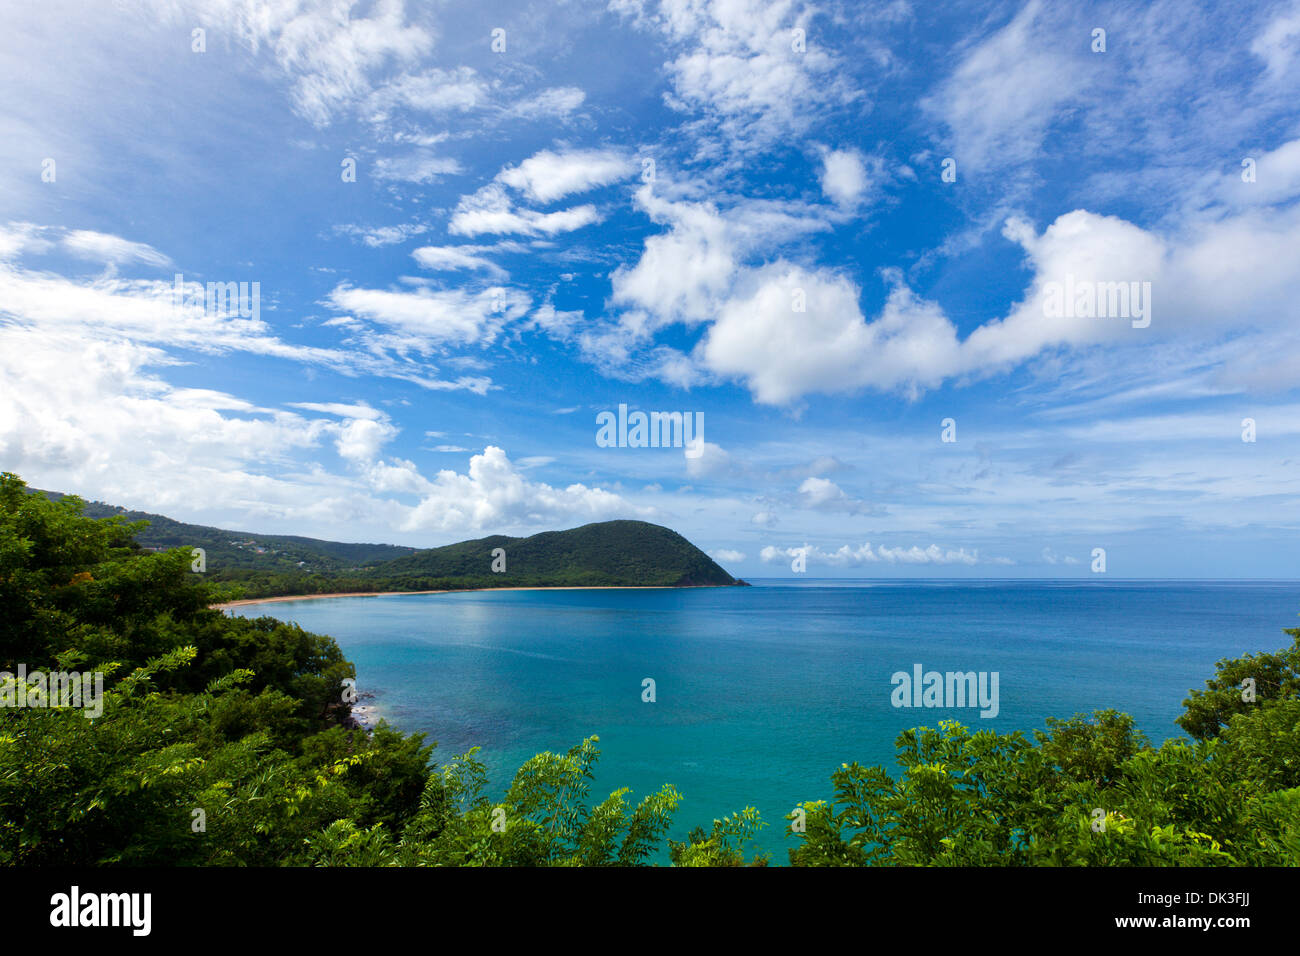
<point>607,553</point>
<point>228,741</point>
<point>604,553</point>
<point>245,551</point>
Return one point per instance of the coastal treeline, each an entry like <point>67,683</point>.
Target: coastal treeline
<point>221,740</point>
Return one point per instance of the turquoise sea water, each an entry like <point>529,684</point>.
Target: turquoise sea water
<point>763,692</point>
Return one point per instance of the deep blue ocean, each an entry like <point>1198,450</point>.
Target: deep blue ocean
<point>762,692</point>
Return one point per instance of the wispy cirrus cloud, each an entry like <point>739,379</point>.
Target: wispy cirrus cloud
<point>490,211</point>
<point>848,556</point>
<point>376,237</point>
<point>547,176</point>
<point>746,73</point>
<point>109,308</point>
<point>426,318</point>
<point>457,258</point>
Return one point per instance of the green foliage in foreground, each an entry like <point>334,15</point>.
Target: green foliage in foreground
<point>240,724</point>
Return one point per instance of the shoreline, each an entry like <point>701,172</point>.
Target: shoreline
<point>243,602</point>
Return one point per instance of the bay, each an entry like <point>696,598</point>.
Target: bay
<point>762,692</point>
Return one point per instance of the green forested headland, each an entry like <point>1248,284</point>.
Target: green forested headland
<point>228,741</point>
<point>605,553</point>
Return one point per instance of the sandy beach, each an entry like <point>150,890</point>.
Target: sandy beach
<point>339,594</point>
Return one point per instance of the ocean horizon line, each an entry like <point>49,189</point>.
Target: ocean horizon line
<point>1110,579</point>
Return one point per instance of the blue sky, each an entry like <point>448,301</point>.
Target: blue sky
<point>559,208</point>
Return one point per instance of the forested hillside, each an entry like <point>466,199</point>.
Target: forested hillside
<point>606,553</point>
<point>245,550</point>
